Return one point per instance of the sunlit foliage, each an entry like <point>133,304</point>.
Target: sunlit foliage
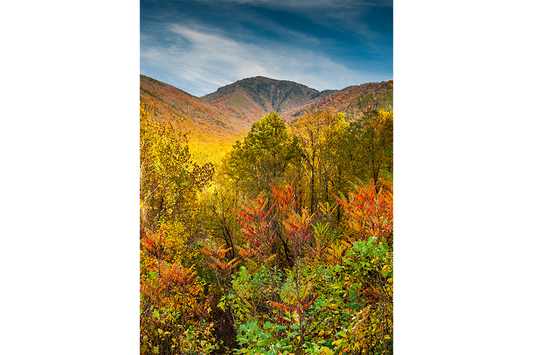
<point>279,244</point>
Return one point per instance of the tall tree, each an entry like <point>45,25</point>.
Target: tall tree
<point>372,140</point>
<point>169,178</point>
<point>264,155</point>
<point>318,131</point>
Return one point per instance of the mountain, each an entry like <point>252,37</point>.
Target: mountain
<point>255,97</point>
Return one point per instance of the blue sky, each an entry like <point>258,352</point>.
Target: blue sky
<point>201,45</point>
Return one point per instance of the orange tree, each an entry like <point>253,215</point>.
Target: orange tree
<point>368,212</point>
<point>335,298</point>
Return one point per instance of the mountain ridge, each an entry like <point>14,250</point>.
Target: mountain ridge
<point>230,111</point>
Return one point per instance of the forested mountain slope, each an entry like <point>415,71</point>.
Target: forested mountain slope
<point>229,112</point>
<point>203,121</point>
<point>353,100</point>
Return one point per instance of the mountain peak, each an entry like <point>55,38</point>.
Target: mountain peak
<point>269,94</point>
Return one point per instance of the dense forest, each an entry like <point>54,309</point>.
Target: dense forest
<point>282,245</point>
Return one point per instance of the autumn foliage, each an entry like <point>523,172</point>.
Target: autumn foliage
<point>257,231</point>
<point>281,246</point>
<point>368,212</point>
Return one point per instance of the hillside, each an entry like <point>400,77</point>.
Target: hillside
<point>211,128</point>
<point>352,100</point>
<point>201,119</point>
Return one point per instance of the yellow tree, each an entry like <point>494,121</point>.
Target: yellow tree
<point>168,177</point>
<point>321,133</point>
<point>372,142</point>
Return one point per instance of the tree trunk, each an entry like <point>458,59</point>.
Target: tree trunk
<point>312,188</point>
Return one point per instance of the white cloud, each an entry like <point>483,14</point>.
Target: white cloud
<point>200,61</point>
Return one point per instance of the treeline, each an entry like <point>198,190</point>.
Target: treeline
<point>284,249</point>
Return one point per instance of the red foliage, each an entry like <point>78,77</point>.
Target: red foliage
<point>257,232</point>
<point>298,228</point>
<point>218,259</point>
<point>154,243</point>
<point>369,213</point>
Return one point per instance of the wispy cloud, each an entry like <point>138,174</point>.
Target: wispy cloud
<point>205,60</point>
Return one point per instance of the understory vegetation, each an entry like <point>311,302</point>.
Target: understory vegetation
<point>283,246</point>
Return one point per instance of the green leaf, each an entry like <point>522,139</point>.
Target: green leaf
<point>222,304</point>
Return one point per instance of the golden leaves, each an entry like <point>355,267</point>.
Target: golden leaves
<point>203,174</point>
